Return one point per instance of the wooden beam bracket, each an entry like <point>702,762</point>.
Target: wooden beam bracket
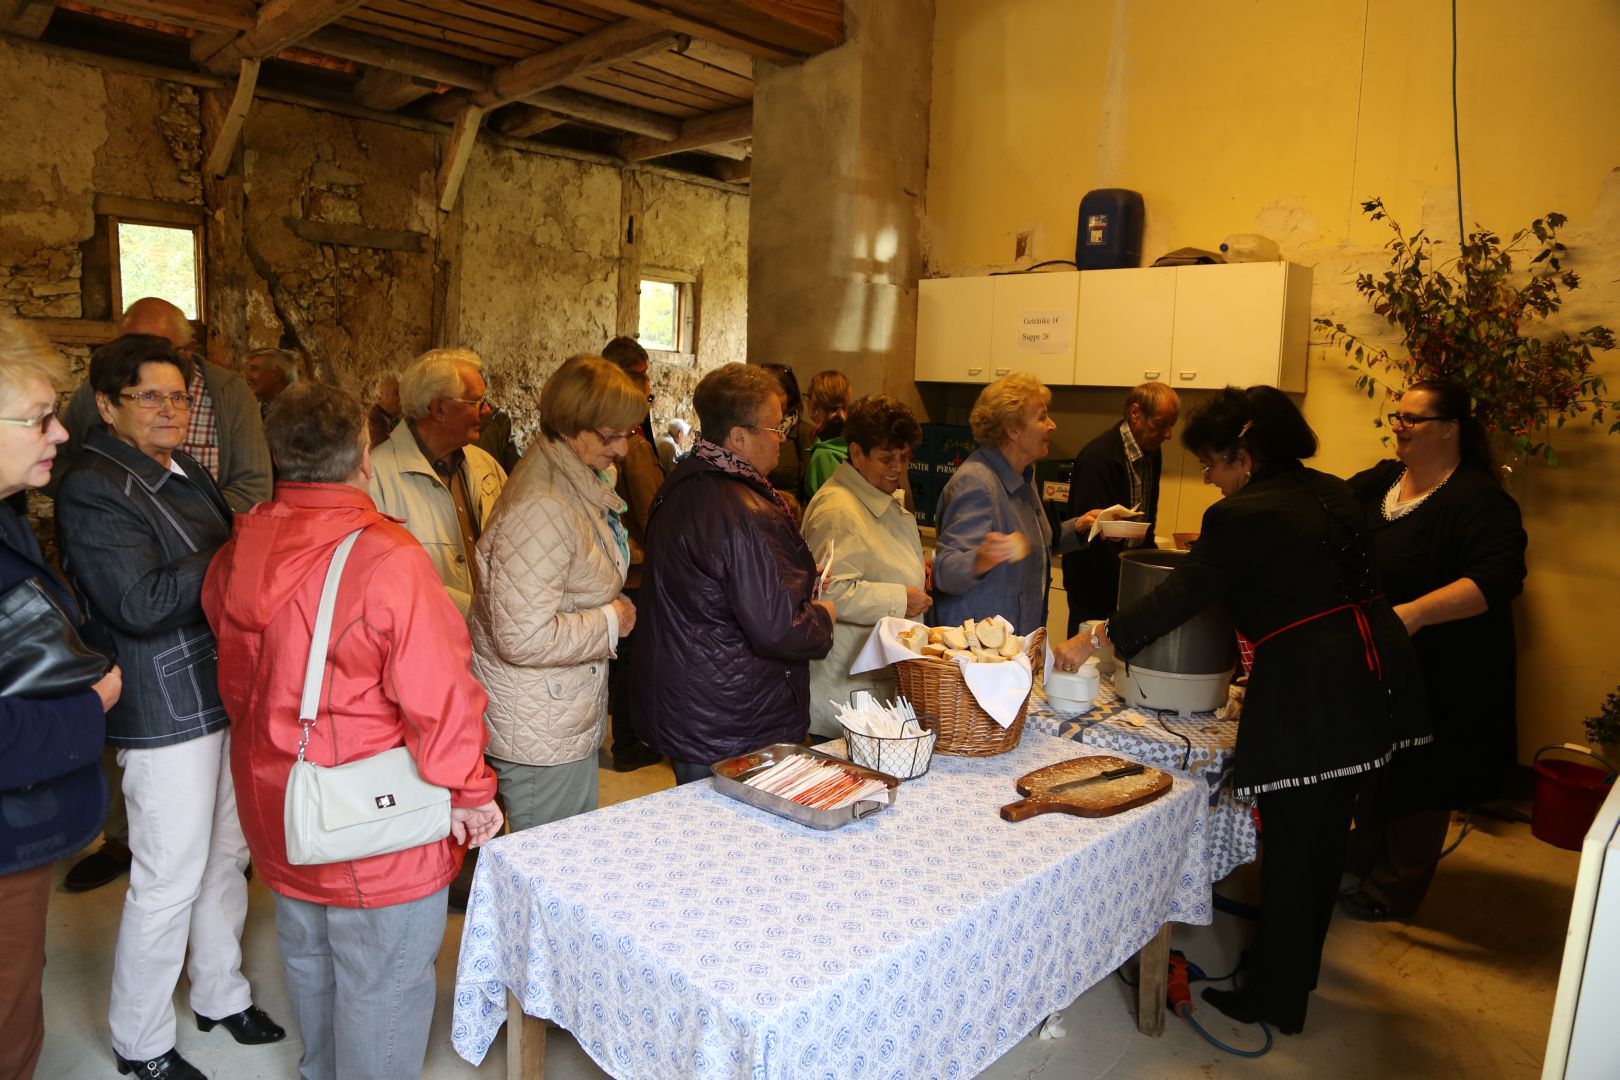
<point>331,232</point>
<point>224,148</point>
<point>462,141</point>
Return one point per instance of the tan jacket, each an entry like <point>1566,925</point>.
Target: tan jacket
<point>877,553</point>
<point>404,485</point>
<point>542,629</point>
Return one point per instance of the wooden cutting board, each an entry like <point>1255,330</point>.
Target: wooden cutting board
<point>1092,800</point>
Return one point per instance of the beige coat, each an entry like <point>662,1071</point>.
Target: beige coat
<point>542,630</point>
<point>877,553</point>
<point>404,485</point>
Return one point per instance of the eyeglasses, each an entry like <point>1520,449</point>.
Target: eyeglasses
<point>1207,467</point>
<point>477,402</point>
<point>152,399</point>
<point>784,430</point>
<point>611,437</point>
<point>38,423</point>
<point>1403,420</point>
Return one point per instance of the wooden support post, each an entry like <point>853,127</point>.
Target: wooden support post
<point>224,299</point>
<point>224,148</point>
<point>525,1043</point>
<point>457,156</point>
<point>1152,979</point>
<point>631,197</point>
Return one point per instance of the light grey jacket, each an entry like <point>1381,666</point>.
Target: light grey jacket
<point>404,485</point>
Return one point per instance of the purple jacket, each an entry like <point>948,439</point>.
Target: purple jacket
<point>725,630</point>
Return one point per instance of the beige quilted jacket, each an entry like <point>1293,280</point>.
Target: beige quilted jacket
<point>550,566</point>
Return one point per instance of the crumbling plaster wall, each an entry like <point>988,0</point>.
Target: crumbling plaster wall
<point>700,231</point>
<point>351,311</point>
<point>535,240</point>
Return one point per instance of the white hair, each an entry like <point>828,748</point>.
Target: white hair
<point>26,355</point>
<point>678,427</point>
<point>284,359</point>
<point>433,375</point>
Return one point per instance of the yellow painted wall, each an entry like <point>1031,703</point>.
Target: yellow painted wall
<point>1278,117</point>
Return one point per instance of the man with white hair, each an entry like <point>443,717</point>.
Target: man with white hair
<point>671,443</point>
<point>429,473</point>
<point>268,372</point>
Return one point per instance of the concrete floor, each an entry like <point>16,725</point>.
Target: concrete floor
<point>1466,991</point>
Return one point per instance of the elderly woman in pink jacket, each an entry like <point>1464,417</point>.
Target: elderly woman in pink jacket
<point>553,559</point>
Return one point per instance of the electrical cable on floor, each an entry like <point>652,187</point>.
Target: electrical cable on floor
<point>1467,827</point>
<point>1213,1041</point>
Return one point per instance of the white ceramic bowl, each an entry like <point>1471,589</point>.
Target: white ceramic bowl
<point>1123,530</point>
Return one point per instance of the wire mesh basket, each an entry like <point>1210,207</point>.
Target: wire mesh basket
<point>905,758</point>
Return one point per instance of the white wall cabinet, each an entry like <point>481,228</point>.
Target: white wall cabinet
<point>953,329</point>
<point>1194,327</point>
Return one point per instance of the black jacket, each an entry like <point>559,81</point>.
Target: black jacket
<point>137,539</point>
<point>725,630</point>
<point>1469,528</point>
<point>1101,478</point>
<point>53,796</point>
<point>1327,696</point>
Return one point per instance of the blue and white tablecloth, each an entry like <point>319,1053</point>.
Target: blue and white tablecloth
<point>687,935</point>
<point>1199,744</point>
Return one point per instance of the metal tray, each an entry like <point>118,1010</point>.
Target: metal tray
<point>727,782</point>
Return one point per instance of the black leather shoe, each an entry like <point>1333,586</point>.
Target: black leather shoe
<point>170,1066</point>
<point>249,1027</point>
<point>1240,1006</point>
<point>638,756</point>
<point>100,867</point>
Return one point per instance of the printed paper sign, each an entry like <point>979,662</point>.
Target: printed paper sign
<point>1046,332</point>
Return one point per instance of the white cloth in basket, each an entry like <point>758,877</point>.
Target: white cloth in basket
<point>1000,689</point>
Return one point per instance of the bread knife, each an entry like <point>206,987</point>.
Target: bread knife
<point>1133,769</point>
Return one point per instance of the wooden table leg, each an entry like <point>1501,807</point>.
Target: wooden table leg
<point>525,1042</point>
<point>1152,975</point>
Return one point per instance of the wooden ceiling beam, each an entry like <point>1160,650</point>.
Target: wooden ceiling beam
<point>26,18</point>
<point>387,90</point>
<point>616,43</point>
<point>397,56</point>
<point>784,31</point>
<point>734,172</point>
<point>280,23</point>
<point>224,148</point>
<point>233,15</point>
<point>523,121</point>
<point>605,113</point>
<point>700,132</point>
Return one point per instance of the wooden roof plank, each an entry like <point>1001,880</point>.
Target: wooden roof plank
<point>615,43</point>
<point>779,30</point>
<point>518,14</point>
<point>280,23</point>
<point>235,15</point>
<point>475,21</point>
<point>682,67</point>
<point>649,71</point>
<point>399,56</point>
<point>439,39</point>
<point>624,95</point>
<point>604,113</point>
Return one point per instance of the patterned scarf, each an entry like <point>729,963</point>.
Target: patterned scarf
<point>730,463</point>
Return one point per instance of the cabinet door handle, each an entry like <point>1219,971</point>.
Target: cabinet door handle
<point>974,370</point>
<point>1002,370</point>
<point>1187,376</point>
<point>1150,375</point>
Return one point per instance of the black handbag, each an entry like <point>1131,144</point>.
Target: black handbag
<point>41,652</point>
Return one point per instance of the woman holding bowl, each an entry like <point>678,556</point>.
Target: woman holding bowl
<point>993,553</point>
<point>1334,690</point>
<point>876,565</point>
<point>140,521</point>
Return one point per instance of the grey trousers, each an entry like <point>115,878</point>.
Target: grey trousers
<point>362,984</point>
<point>540,794</point>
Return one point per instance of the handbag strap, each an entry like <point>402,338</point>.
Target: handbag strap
<point>315,669</point>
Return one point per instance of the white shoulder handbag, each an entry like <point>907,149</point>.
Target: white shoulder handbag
<point>373,806</point>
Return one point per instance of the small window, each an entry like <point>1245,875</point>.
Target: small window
<point>157,260</point>
<point>660,315</point>
<point>669,313</point>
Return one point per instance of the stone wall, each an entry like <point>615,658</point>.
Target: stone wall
<point>524,270</point>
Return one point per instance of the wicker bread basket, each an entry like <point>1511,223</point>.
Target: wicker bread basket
<point>935,688</point>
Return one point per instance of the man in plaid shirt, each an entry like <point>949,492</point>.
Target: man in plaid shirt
<point>226,437</point>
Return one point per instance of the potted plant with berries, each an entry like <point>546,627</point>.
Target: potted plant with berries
<point>1470,319</point>
<point>1603,730</point>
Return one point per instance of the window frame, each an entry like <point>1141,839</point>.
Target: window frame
<point>114,210</point>
<point>686,307</point>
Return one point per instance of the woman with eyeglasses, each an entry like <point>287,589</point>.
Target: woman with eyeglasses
<point>52,797</point>
<point>1334,690</point>
<point>730,614</point>
<point>1450,547</point>
<point>551,610</point>
<point>139,520</point>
